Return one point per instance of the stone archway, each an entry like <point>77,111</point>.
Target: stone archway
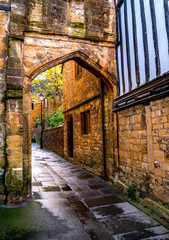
<point>37,39</point>
<point>78,56</point>
<point>42,66</point>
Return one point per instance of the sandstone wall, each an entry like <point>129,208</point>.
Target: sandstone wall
<point>35,112</point>
<point>51,106</point>
<point>54,140</point>
<point>144,148</point>
<point>35,36</point>
<point>4,22</point>
<point>77,89</point>
<point>37,133</point>
<point>87,149</point>
<point>89,19</point>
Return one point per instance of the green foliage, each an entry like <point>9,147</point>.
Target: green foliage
<point>38,120</point>
<point>50,83</point>
<point>55,118</point>
<point>131,192</point>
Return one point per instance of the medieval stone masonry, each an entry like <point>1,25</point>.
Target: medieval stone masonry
<point>143,148</point>
<point>128,112</point>
<point>82,102</point>
<point>34,38</point>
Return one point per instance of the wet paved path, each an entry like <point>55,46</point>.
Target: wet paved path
<point>81,206</point>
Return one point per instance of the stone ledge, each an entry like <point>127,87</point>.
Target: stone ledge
<point>156,210</point>
<point>51,128</point>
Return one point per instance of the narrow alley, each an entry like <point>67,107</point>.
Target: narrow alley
<point>78,205</point>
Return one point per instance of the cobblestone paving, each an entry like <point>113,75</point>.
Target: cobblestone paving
<point>83,206</point>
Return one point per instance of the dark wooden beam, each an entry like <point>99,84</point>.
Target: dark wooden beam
<point>118,5</point>
<point>145,41</point>
<point>155,38</point>
<point>166,12</point>
<point>127,45</point>
<point>137,69</point>
<point>117,57</point>
<point>155,89</point>
<point>5,7</point>
<point>121,50</point>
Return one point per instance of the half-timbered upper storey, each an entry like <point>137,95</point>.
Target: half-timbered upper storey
<point>142,49</point>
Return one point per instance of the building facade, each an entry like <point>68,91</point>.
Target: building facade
<point>37,35</point>
<point>48,107</point>
<point>84,142</point>
<point>142,105</point>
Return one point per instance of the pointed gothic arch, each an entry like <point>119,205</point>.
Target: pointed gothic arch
<point>81,58</point>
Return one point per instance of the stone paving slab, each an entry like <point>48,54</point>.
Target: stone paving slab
<point>113,210</point>
<point>128,222</point>
<point>144,234</point>
<point>89,207</point>
<point>103,200</point>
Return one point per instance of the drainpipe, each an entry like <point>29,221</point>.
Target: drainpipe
<point>103,129</point>
<point>118,160</point>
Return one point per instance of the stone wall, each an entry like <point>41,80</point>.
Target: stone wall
<point>76,89</point>
<point>87,148</point>
<point>37,133</point>
<point>54,140</point>
<point>39,39</point>
<point>34,38</point>
<point>81,19</point>
<point>36,111</point>
<point>51,106</point>
<point>4,21</point>
<point>144,148</point>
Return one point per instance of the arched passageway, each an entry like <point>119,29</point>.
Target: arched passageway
<point>37,39</point>
<point>97,70</point>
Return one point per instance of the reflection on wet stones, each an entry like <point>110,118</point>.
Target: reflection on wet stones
<point>37,184</point>
<point>50,189</point>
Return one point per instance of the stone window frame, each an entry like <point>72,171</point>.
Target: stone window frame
<point>78,70</point>
<point>85,122</point>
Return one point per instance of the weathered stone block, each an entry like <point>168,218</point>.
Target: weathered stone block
<point>15,141</point>
<point>158,155</point>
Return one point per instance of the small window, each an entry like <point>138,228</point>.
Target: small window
<point>85,122</point>
<point>32,106</point>
<point>78,70</point>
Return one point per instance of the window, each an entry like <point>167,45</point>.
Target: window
<point>32,106</point>
<point>85,122</point>
<point>78,70</point>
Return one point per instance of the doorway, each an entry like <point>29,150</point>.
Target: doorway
<point>70,135</point>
